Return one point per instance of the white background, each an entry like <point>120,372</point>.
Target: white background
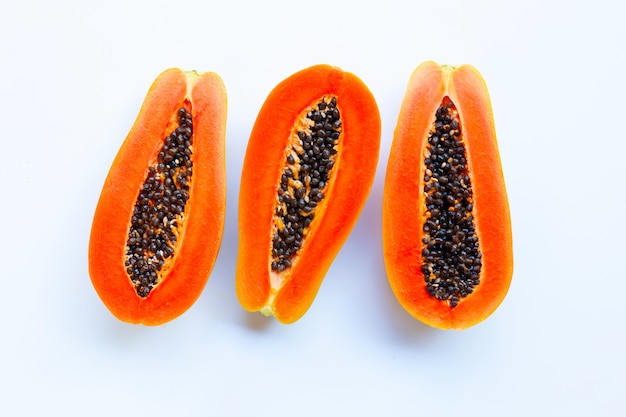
<point>72,78</point>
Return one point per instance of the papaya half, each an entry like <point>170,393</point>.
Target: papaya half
<point>308,169</point>
<point>447,237</point>
<point>159,221</point>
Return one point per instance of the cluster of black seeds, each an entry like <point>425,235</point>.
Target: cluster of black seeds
<point>159,208</point>
<point>451,257</point>
<point>303,181</point>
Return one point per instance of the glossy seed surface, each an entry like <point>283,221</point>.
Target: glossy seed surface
<point>309,161</point>
<point>158,215</point>
<point>451,257</point>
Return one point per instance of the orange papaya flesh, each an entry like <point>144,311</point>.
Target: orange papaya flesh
<point>447,236</point>
<point>308,169</point>
<point>158,223</point>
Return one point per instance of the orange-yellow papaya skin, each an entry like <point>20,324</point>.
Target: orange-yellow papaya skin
<point>205,97</point>
<point>404,198</point>
<point>348,189</point>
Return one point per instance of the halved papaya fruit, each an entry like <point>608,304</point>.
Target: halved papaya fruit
<point>158,223</point>
<point>308,169</point>
<point>446,225</point>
